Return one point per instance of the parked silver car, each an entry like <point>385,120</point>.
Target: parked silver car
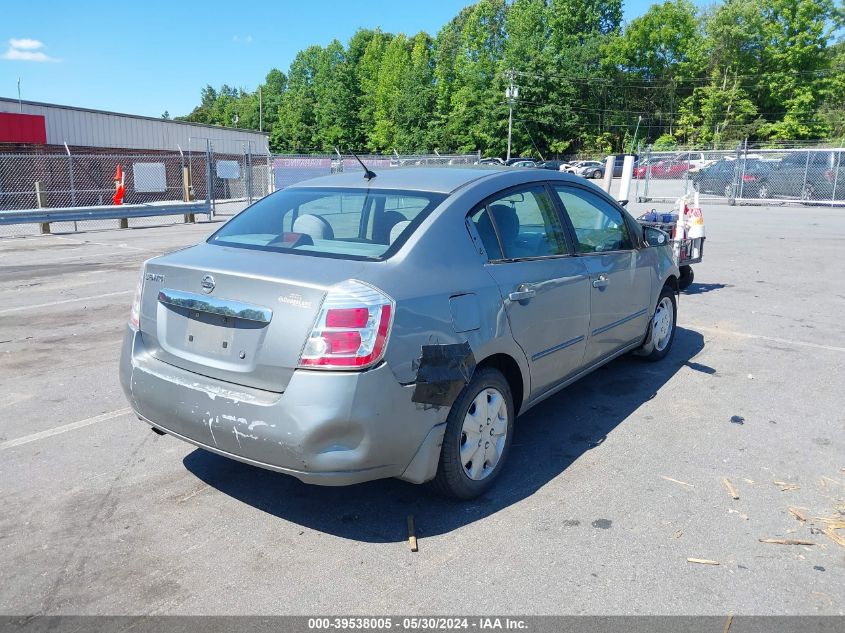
<point>345,329</point>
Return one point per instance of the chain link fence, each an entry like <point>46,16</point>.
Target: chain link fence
<point>745,175</point>
<point>225,183</point>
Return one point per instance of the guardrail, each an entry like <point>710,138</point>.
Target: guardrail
<point>120,212</point>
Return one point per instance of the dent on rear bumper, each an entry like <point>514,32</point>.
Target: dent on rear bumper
<point>329,428</point>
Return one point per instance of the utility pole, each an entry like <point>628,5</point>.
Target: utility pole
<point>20,104</point>
<point>511,95</point>
<point>636,131</point>
<point>260,112</point>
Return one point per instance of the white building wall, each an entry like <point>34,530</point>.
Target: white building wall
<point>95,128</point>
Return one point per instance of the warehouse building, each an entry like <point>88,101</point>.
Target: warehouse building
<point>32,127</point>
<point>60,156</point>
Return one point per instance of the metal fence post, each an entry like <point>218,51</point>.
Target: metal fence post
<point>70,173</point>
<point>806,170</point>
<point>248,160</point>
<point>209,186</point>
<point>739,172</point>
<point>647,175</point>
<point>835,178</point>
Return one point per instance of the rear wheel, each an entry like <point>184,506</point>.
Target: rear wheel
<point>596,174</point>
<point>763,191</point>
<point>477,438</point>
<point>663,325</point>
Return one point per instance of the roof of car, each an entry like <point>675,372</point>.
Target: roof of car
<point>444,179</point>
<point>437,179</point>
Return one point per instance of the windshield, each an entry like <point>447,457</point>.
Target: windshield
<point>346,223</point>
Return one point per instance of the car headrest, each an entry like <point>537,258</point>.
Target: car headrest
<point>315,226</point>
<point>507,222</point>
<point>397,229</point>
<point>383,228</point>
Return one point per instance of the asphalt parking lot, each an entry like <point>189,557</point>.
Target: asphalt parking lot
<point>611,485</point>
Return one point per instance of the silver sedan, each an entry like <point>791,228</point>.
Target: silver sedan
<point>348,329</point>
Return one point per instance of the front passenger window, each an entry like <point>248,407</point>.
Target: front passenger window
<point>599,226</point>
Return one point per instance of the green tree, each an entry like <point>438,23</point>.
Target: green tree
<point>478,116</point>
<point>388,90</point>
<point>415,105</point>
<point>367,71</point>
<point>296,130</point>
<point>334,107</point>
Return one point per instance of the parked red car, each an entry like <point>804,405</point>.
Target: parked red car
<point>663,169</point>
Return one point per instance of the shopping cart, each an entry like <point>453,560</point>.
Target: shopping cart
<point>686,251</point>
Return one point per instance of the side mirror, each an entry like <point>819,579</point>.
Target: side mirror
<point>654,237</point>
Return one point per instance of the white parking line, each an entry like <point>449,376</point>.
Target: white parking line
<point>773,339</point>
<point>57,303</point>
<point>26,439</point>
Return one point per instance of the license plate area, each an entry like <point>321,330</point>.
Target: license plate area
<point>207,333</point>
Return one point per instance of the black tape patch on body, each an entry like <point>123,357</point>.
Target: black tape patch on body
<point>443,370</point>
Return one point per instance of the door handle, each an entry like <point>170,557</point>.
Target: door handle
<point>522,292</point>
<point>601,282</point>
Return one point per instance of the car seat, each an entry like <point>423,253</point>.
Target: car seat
<point>315,226</point>
<point>507,223</point>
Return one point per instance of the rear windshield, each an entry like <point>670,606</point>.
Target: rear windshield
<point>346,223</point>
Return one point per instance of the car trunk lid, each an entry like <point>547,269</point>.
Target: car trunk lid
<point>237,315</point>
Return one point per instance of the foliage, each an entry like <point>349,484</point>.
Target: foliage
<point>760,69</point>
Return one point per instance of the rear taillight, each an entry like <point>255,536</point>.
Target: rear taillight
<point>749,178</point>
<point>135,312</point>
<point>351,330</point>
<point>829,175</point>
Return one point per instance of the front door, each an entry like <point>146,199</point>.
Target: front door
<point>620,281</point>
<point>546,290</point>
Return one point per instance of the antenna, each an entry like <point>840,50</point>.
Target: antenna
<point>369,175</point>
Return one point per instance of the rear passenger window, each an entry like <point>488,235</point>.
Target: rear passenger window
<point>599,226</point>
<point>520,225</point>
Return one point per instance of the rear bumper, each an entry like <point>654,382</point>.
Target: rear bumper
<point>327,428</point>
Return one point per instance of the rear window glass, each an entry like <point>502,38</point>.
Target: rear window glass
<point>347,223</point>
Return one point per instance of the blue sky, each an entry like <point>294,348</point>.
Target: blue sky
<point>148,57</point>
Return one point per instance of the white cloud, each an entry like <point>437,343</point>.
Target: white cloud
<point>25,49</point>
<point>25,43</point>
<point>246,40</point>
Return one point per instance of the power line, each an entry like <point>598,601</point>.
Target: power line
<point>831,71</point>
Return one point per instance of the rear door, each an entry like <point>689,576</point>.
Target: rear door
<point>545,288</point>
<point>620,280</point>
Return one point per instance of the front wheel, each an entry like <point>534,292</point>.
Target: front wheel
<point>662,326</point>
<point>477,439</point>
<point>596,174</point>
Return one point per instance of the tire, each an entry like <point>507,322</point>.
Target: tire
<point>729,191</point>
<point>455,476</point>
<point>808,193</point>
<point>666,299</point>
<point>596,175</point>
<point>687,277</point>
<point>763,191</point>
